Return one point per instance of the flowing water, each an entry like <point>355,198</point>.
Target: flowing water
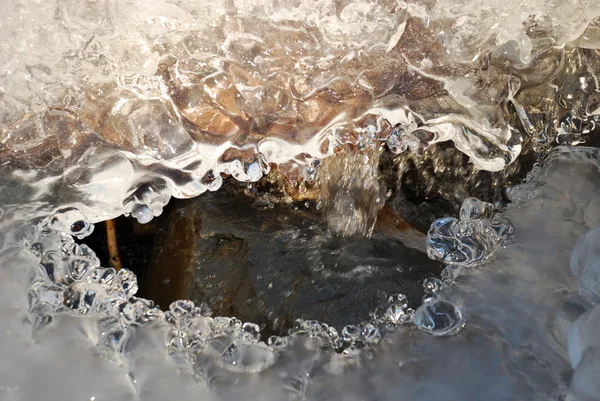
<point>377,117</point>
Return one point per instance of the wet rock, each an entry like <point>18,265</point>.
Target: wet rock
<point>275,265</point>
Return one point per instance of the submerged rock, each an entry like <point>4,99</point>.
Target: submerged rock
<point>275,265</point>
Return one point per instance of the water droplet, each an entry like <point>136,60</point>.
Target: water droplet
<point>254,172</point>
<point>142,214</point>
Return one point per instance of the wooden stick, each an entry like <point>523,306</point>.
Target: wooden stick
<point>113,249</point>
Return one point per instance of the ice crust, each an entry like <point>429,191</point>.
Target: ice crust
<point>126,104</point>
<point>517,310</point>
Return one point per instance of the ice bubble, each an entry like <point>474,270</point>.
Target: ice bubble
<point>71,221</point>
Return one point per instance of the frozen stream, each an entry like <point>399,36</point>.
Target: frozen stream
<point>115,107</point>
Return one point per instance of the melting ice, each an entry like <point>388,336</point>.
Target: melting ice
<point>111,108</point>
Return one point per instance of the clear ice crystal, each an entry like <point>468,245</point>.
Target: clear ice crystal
<point>45,300</point>
<point>397,141</point>
<point>172,104</point>
<point>139,311</point>
<point>394,312</point>
<point>473,208</point>
<point>227,341</point>
<point>470,240</point>
<point>71,221</point>
<point>72,280</point>
<point>148,200</point>
<point>317,330</point>
<point>277,342</point>
<point>350,337</point>
<point>250,333</point>
<point>432,285</point>
<point>438,317</point>
<point>370,334</point>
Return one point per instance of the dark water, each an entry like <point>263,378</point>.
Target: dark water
<point>274,265</point>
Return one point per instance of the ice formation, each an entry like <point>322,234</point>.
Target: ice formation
<point>143,102</point>
<point>470,240</point>
<point>115,107</point>
<point>523,321</point>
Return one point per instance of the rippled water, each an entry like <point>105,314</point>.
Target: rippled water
<point>111,108</point>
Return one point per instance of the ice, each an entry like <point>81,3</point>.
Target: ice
<point>398,310</point>
<point>110,108</point>
<point>71,221</point>
<point>470,240</point>
<point>582,335</point>
<point>560,319</point>
<point>584,385</point>
<point>513,346</point>
<point>585,264</point>
<point>438,317</point>
<point>123,95</point>
<point>432,285</point>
